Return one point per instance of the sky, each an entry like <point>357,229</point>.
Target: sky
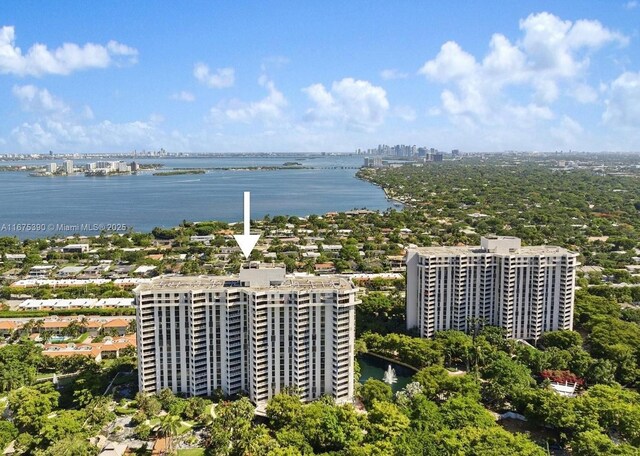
<point>329,76</point>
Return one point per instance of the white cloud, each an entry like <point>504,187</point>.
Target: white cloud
<point>623,102</point>
<point>568,132</point>
<point>87,112</point>
<point>55,126</point>
<point>221,79</point>
<point>450,63</point>
<point>406,113</point>
<point>547,62</point>
<point>183,96</point>
<point>392,73</point>
<point>64,60</point>
<point>33,99</point>
<point>353,103</point>
<point>632,4</point>
<point>268,109</point>
<point>584,93</point>
<point>66,135</point>
<point>274,61</point>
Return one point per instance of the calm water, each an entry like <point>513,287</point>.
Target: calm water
<point>372,367</point>
<point>145,201</point>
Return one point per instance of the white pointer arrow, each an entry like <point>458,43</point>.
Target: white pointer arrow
<point>245,240</point>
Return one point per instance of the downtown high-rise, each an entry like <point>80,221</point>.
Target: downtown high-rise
<point>524,290</point>
<point>256,333</point>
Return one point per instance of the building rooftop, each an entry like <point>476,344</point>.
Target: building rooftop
<point>533,250</point>
<point>287,282</point>
<point>499,245</point>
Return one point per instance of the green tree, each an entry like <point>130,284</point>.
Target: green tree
<point>439,384</point>
<point>486,441</point>
<point>291,437</point>
<point>169,425</point>
<point>461,411</point>
<point>8,432</point>
<point>506,378</point>
<point>231,427</point>
<point>375,390</point>
<point>66,423</point>
<point>31,406</point>
<point>455,345</point>
<point>75,445</point>
<point>143,431</point>
<point>564,339</point>
<point>595,443</point>
<point>195,408</point>
<point>148,404</point>
<point>386,422</point>
<point>328,427</point>
<point>283,410</point>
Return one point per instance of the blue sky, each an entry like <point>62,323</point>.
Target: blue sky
<point>328,76</point>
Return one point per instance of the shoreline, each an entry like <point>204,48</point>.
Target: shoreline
<point>386,192</point>
<point>391,360</point>
<point>369,199</point>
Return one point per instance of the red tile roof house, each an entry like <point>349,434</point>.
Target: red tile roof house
<point>119,325</point>
<point>324,267</point>
<point>8,327</point>
<point>109,348</point>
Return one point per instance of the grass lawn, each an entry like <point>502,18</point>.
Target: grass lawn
<point>125,410</point>
<point>184,428</point>
<point>191,452</point>
<point>82,338</point>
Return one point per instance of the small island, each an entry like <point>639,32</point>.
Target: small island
<point>179,172</point>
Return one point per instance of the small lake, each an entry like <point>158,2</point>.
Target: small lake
<point>374,367</point>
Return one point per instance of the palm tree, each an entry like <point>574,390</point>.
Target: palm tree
<point>10,378</point>
<point>46,335</point>
<point>28,326</point>
<point>37,326</point>
<point>169,425</point>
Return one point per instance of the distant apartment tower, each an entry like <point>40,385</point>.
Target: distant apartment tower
<point>51,168</point>
<point>525,290</point>
<point>373,162</point>
<point>258,332</point>
<point>68,166</point>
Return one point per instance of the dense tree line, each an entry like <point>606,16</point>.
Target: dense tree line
<point>539,204</point>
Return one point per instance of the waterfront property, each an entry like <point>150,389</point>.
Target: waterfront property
<point>525,290</point>
<point>260,332</point>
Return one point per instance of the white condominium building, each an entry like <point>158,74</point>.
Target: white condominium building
<point>258,332</point>
<point>525,290</point>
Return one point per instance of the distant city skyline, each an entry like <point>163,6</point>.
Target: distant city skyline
<point>324,77</point>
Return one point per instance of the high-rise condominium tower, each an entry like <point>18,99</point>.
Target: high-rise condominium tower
<point>525,290</point>
<point>258,332</point>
